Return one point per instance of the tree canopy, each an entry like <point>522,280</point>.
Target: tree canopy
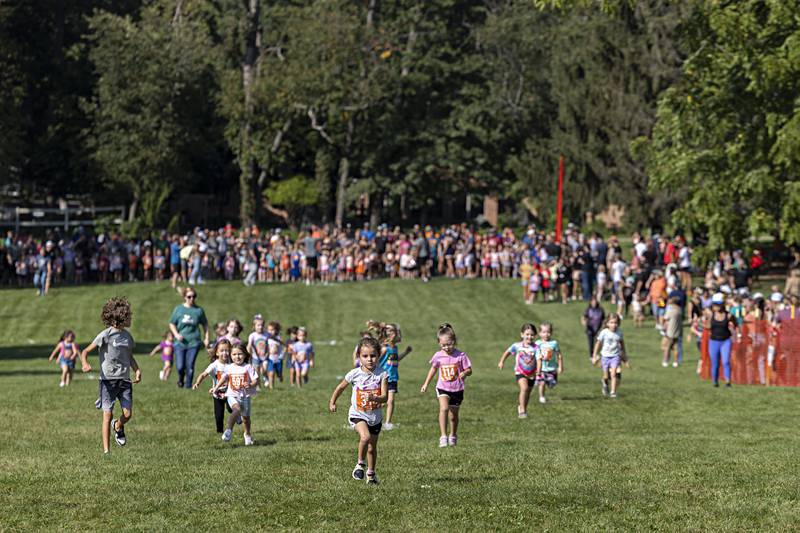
<point>681,113</point>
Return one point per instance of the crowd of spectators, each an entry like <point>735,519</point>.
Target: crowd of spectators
<point>580,266</point>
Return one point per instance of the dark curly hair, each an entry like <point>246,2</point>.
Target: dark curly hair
<point>371,342</point>
<point>116,312</point>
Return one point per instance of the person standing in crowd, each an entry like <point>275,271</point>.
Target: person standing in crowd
<point>722,327</point>
<point>593,318</point>
<point>175,260</point>
<point>311,248</point>
<point>185,324</point>
<point>586,265</point>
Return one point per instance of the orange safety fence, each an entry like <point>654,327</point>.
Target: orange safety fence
<point>762,355</point>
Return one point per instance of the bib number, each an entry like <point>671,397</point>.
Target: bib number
<point>448,372</point>
<point>363,402</point>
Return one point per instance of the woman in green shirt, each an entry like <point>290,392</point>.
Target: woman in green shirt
<point>185,324</point>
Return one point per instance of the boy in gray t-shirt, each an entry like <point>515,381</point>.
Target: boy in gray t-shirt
<point>115,345</point>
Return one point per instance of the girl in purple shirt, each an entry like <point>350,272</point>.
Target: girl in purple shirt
<point>453,366</point>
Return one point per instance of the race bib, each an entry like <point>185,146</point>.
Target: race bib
<point>363,403</point>
<point>448,372</point>
<point>239,381</point>
<point>547,353</point>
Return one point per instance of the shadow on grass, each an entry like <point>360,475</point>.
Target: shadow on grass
<point>257,442</point>
<point>42,351</point>
<point>56,371</point>
<point>310,438</point>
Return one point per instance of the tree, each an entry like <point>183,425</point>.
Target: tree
<point>728,133</point>
<point>294,195</point>
<point>149,107</point>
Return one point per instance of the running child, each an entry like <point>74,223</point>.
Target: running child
<point>166,347</point>
<point>291,333</point>
<point>232,330</point>
<point>67,352</point>
<point>275,354</point>
<point>453,366</point>
<point>241,379</point>
<point>115,346</point>
<point>220,356</point>
<point>549,361</point>
<point>390,363</point>
<point>370,390</point>
<point>257,347</point>
<point>524,353</point>
<point>303,357</point>
<point>610,349</point>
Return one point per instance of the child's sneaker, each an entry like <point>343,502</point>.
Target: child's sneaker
<point>372,478</point>
<point>674,364</point>
<point>227,435</point>
<point>452,440</point>
<point>542,399</point>
<point>358,472</point>
<point>119,434</point>
<point>388,426</point>
<point>613,394</point>
<point>664,364</point>
<point>161,375</point>
<point>248,440</point>
<point>442,442</point>
<point>521,413</point>
<point>61,384</point>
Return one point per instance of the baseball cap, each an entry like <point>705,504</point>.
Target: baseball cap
<point>718,298</point>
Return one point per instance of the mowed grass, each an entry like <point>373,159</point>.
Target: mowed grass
<point>670,453</point>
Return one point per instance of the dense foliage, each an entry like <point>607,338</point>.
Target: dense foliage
<point>410,109</point>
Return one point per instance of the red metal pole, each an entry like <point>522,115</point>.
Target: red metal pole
<point>560,201</point>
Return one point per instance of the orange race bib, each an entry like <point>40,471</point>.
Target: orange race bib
<point>239,381</point>
<point>448,372</point>
<point>363,403</point>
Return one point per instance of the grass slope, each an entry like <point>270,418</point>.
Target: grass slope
<point>670,453</point>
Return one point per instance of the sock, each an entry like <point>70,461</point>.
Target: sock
<point>370,472</point>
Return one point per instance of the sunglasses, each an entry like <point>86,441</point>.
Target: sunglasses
<point>190,296</point>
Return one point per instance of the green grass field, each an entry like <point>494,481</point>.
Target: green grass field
<point>670,453</point>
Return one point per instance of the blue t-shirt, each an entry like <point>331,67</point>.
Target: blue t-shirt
<point>174,254</point>
<point>547,352</point>
<point>390,363</point>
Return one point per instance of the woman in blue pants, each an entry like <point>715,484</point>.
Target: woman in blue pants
<point>722,327</point>
<point>185,324</point>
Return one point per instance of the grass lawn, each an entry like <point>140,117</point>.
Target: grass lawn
<point>670,453</point>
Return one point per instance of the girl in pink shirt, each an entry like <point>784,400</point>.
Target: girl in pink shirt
<point>453,366</point>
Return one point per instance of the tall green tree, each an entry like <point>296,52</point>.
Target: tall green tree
<point>728,133</point>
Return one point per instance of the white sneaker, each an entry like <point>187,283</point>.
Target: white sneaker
<point>388,426</point>
<point>452,440</point>
<point>248,440</point>
<point>542,399</point>
<point>664,364</point>
<point>227,435</point>
<point>442,442</point>
<point>61,384</point>
<point>161,375</point>
<point>675,364</point>
<point>613,394</point>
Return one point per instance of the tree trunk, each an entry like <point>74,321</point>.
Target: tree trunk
<point>248,186</point>
<point>375,208</point>
<point>133,208</point>
<point>341,190</point>
<point>323,165</point>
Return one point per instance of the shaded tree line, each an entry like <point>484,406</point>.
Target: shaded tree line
<point>333,109</point>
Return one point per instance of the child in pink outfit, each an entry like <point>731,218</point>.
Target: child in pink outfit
<point>453,366</point>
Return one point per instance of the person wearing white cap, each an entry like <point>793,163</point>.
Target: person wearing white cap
<point>722,327</point>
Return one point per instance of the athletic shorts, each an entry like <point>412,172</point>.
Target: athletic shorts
<point>69,362</point>
<point>300,367</point>
<point>255,361</point>
<point>392,386</point>
<point>610,363</point>
<point>311,262</point>
<point>243,403</point>
<point>175,268</point>
<point>373,430</point>
<point>548,378</point>
<point>455,397</point>
<point>113,390</point>
<point>531,379</point>
<point>275,366</point>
